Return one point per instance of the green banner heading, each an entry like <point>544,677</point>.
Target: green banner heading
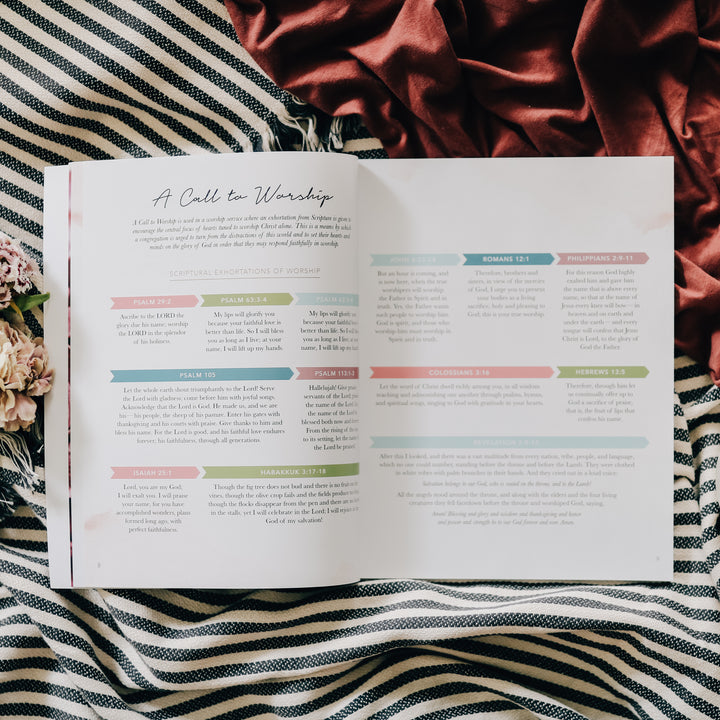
<point>268,472</point>
<point>246,299</point>
<point>602,372</point>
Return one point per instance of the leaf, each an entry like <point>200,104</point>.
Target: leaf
<point>27,302</point>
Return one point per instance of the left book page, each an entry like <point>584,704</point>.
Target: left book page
<point>213,425</point>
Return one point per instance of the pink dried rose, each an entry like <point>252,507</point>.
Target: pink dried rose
<point>24,373</point>
<point>17,271</point>
<point>40,373</point>
<point>24,368</point>
<point>17,411</point>
<point>9,374</point>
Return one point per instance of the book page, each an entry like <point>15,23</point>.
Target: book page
<point>56,410</point>
<point>516,368</point>
<point>214,370</point>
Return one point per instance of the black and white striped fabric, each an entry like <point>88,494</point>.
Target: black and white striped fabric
<point>100,79</point>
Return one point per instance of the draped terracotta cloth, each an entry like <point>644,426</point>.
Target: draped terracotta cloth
<point>525,78</point>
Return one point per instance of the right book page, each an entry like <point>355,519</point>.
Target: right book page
<point>516,367</point>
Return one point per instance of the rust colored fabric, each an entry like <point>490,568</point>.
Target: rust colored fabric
<point>436,78</point>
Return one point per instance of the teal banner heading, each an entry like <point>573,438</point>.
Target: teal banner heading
<point>202,374</point>
<point>348,299</point>
<point>405,259</point>
<point>509,259</point>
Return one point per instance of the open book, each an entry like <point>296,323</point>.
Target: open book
<point>300,369</point>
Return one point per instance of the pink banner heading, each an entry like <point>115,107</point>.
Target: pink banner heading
<point>153,301</point>
<point>327,373</point>
<point>166,472</point>
<point>602,258</point>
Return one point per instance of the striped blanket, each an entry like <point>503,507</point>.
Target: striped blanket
<point>99,79</point>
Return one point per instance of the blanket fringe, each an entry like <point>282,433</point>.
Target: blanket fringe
<point>302,127</point>
<point>16,469</point>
